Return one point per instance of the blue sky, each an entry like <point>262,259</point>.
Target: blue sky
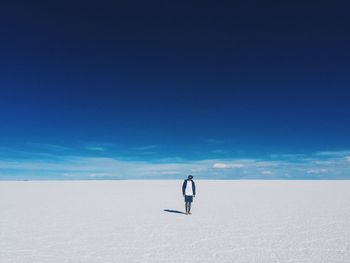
<point>153,90</point>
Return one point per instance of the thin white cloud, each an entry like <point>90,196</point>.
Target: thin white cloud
<point>333,153</point>
<point>220,166</point>
<point>287,156</point>
<point>317,171</point>
<point>219,151</point>
<point>175,159</point>
<point>267,172</point>
<point>96,148</point>
<point>145,148</point>
<point>170,172</point>
<point>227,166</point>
<point>266,163</point>
<point>99,175</point>
<point>237,165</point>
<point>48,146</point>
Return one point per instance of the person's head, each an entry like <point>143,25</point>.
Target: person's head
<point>190,177</point>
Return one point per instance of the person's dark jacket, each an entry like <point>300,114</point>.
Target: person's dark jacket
<point>184,187</point>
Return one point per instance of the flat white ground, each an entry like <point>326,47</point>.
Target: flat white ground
<point>125,221</point>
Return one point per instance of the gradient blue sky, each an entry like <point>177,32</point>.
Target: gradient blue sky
<point>154,89</point>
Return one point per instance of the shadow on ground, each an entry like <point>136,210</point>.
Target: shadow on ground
<point>173,211</point>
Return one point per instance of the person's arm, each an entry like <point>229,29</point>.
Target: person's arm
<point>194,188</point>
<point>183,187</point>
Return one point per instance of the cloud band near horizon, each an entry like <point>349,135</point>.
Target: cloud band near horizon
<point>319,165</point>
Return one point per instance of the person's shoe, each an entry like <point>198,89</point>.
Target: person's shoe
<point>189,213</point>
<point>186,213</point>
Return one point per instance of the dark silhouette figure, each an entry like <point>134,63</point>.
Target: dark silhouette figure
<point>188,191</point>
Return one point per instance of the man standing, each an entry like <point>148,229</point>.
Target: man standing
<point>188,191</point>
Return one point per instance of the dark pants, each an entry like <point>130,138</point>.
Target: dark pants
<point>188,198</point>
<point>188,201</point>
